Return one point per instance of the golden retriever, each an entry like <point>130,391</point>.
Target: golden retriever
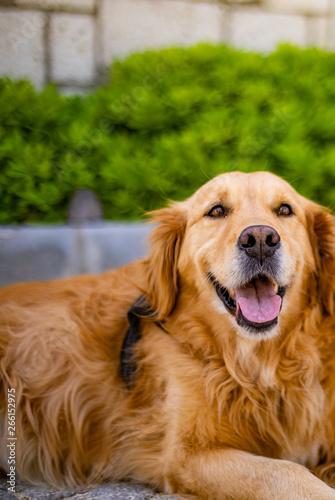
<point>207,368</point>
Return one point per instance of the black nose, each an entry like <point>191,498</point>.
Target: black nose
<point>259,242</point>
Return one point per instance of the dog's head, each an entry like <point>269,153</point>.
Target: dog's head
<point>246,246</point>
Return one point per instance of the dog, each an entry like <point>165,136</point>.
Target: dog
<point>205,369</point>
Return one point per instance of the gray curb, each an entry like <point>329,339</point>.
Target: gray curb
<point>40,253</point>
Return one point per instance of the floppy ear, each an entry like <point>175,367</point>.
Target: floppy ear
<point>322,235</point>
<point>166,240</point>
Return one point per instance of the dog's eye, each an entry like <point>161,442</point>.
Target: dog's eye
<point>285,210</point>
<point>218,211</point>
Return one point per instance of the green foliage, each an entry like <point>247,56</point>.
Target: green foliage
<point>165,123</point>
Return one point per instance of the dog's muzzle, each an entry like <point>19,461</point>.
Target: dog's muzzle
<point>257,300</point>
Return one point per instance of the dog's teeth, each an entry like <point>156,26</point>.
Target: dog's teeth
<point>232,294</point>
<point>275,285</point>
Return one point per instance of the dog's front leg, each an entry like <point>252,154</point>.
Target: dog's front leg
<point>232,474</point>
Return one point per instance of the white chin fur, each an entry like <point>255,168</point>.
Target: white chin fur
<point>250,334</point>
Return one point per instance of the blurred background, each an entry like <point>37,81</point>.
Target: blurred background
<point>110,108</point>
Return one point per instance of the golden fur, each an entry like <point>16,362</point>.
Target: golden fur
<point>216,411</point>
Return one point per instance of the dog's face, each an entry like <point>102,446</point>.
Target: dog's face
<point>247,234</point>
<point>249,248</point>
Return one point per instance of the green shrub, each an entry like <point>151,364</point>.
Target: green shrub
<point>165,123</point>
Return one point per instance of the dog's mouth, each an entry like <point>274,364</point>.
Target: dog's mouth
<point>256,305</point>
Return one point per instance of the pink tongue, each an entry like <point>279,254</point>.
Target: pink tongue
<point>258,301</point>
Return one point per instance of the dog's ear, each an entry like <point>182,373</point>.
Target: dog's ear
<point>166,240</point>
<point>322,235</point>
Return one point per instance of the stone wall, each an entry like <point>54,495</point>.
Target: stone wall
<point>72,42</point>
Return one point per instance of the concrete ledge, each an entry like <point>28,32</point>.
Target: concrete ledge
<point>40,253</point>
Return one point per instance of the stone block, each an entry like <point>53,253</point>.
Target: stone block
<point>307,7</point>
<point>72,48</point>
<point>86,6</point>
<point>135,25</point>
<point>22,52</point>
<point>317,31</point>
<point>330,36</point>
<point>261,31</point>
